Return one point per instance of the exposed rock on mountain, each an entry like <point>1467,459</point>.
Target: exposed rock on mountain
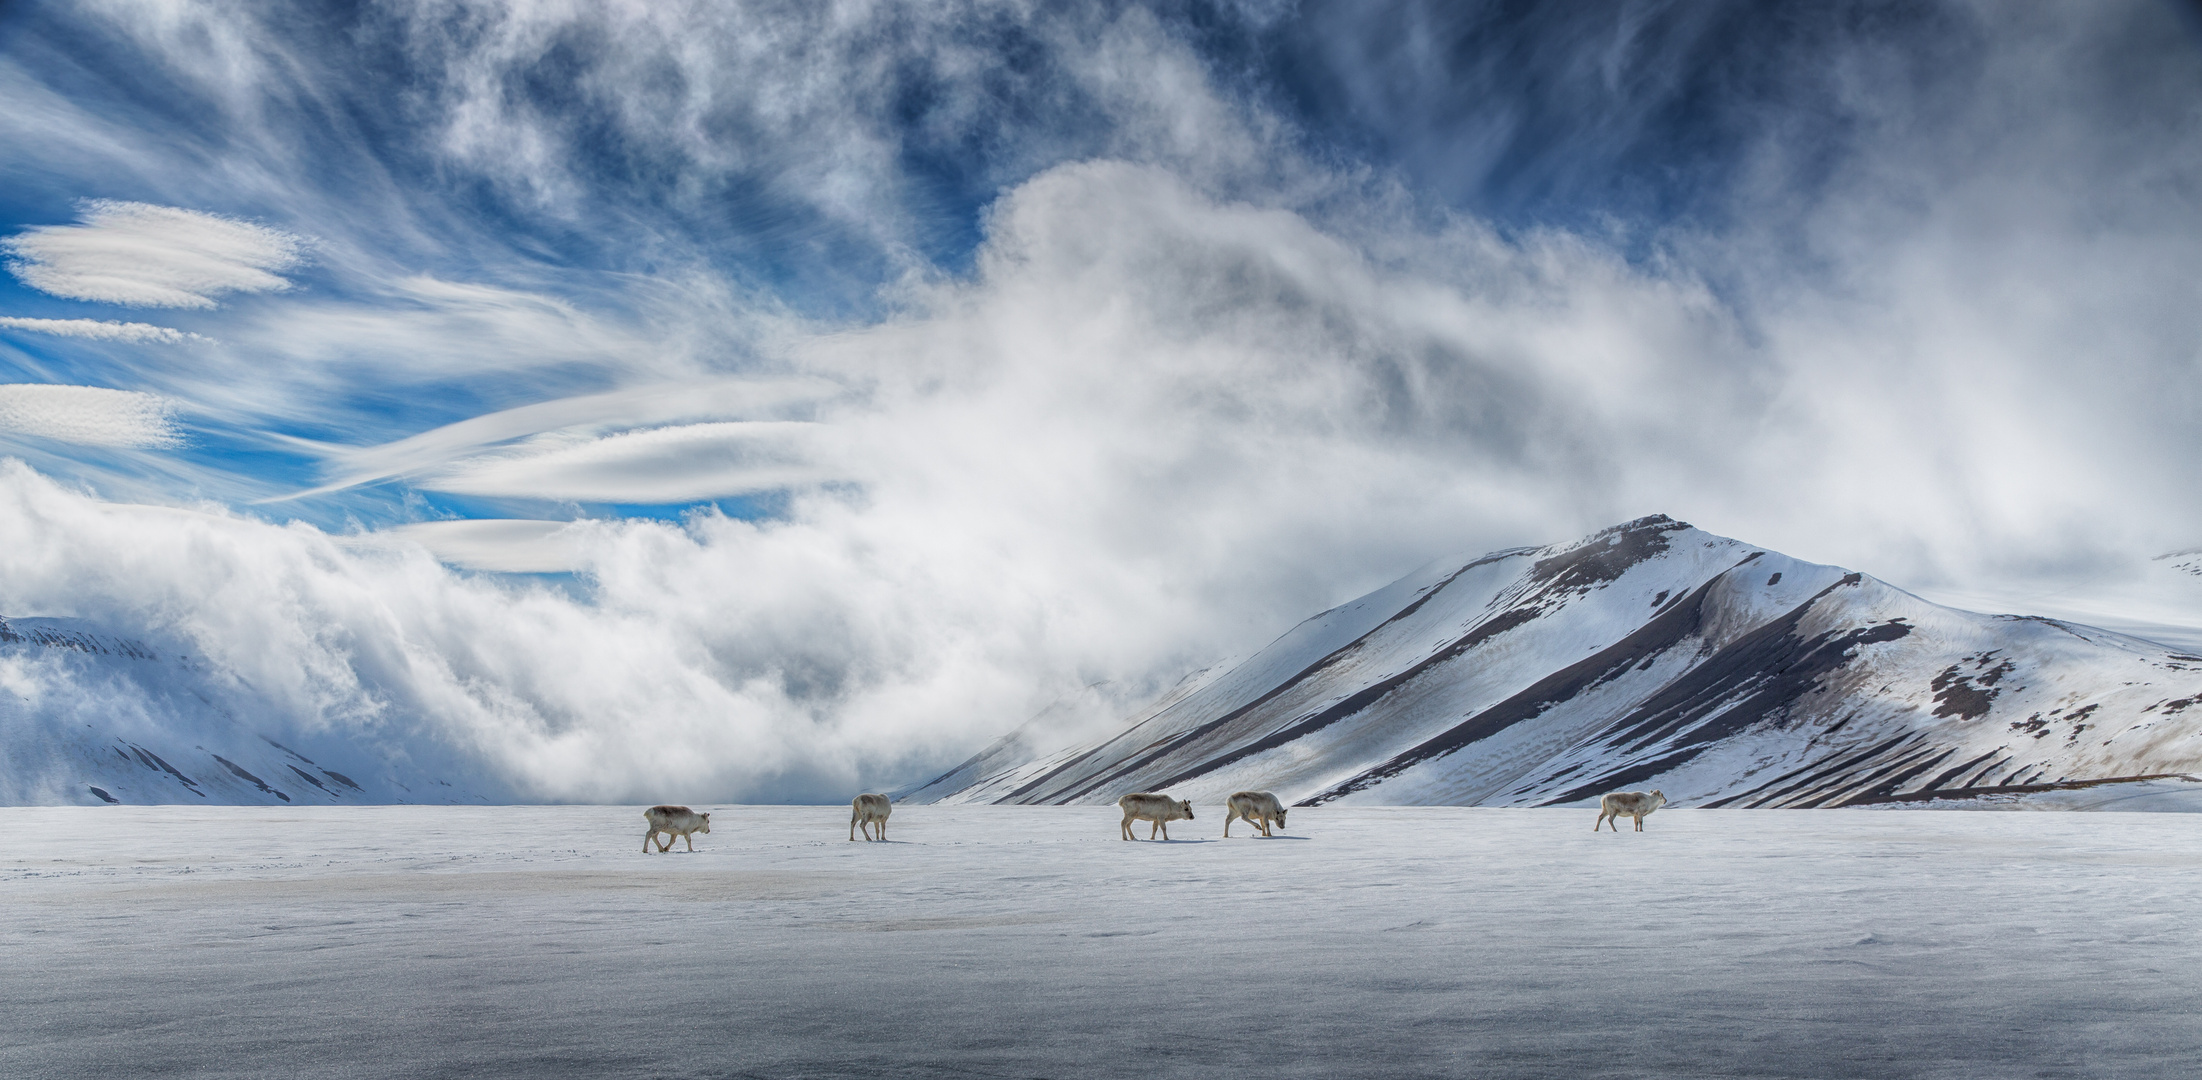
<point>1649,655</point>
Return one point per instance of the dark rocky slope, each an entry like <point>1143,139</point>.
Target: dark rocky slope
<point>1647,655</point>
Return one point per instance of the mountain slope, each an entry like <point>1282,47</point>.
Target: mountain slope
<point>88,716</point>
<point>1650,654</point>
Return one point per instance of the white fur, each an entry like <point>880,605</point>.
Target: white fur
<point>674,821</point>
<point>1636,804</point>
<point>1160,809</point>
<point>1258,808</point>
<point>867,810</point>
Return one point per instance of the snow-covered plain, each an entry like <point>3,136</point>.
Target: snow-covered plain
<point>410,941</point>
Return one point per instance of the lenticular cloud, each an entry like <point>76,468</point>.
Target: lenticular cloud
<point>661,465</point>
<point>141,255</point>
<point>88,415</point>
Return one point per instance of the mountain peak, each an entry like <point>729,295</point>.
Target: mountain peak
<point>1648,653</point>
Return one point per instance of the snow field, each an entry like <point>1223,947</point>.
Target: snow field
<point>406,941</point>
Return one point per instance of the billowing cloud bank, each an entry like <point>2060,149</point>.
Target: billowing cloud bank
<point>1194,378</point>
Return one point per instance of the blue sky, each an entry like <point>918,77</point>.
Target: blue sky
<point>905,369</point>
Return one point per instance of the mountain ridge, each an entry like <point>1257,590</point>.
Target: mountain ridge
<point>1647,653</point>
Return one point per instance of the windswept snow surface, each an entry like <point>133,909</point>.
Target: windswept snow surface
<point>406,941</point>
<point>1648,655</point>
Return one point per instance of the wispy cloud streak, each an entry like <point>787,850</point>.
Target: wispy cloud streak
<point>439,450</point>
<point>100,330</point>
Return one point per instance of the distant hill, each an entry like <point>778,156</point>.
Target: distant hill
<point>1647,655</point>
<point>90,716</point>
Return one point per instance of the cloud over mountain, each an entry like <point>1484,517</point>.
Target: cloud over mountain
<point>1652,655</point>
<point>873,375</point>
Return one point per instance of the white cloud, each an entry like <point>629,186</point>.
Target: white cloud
<point>1177,404</point>
<point>100,330</point>
<point>88,415</point>
<point>1154,428</point>
<point>501,545</point>
<point>661,465</point>
<point>422,327</point>
<point>575,417</point>
<point>736,681</point>
<point>141,255</point>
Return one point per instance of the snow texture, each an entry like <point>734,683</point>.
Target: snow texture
<point>1648,655</point>
<point>491,942</point>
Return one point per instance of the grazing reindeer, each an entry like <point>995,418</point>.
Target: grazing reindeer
<point>674,821</point>
<point>867,810</point>
<point>1160,809</point>
<point>1257,808</point>
<point>1636,804</point>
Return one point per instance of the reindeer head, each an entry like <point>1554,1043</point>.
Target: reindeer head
<point>706,826</point>
<point>1187,806</point>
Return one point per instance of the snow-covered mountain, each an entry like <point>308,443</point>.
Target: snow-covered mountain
<point>89,716</point>
<point>1649,655</point>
